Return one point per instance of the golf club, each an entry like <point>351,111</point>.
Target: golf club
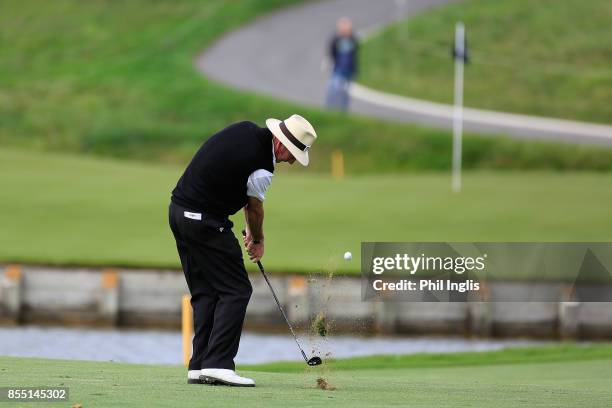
<point>314,361</point>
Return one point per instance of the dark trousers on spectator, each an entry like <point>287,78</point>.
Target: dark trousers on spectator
<point>338,92</point>
<point>218,282</point>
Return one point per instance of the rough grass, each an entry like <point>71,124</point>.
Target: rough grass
<point>118,79</point>
<point>560,377</point>
<point>542,57</point>
<point>548,354</point>
<point>61,209</point>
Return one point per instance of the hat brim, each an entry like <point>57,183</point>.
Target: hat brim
<point>300,155</point>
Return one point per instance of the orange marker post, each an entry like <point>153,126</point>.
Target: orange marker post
<point>337,165</point>
<point>187,328</point>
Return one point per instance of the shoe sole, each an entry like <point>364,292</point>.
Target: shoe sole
<point>216,381</point>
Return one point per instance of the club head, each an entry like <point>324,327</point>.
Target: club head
<point>315,361</point>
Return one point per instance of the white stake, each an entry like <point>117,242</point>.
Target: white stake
<point>458,111</point>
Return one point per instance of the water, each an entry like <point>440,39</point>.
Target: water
<point>165,347</point>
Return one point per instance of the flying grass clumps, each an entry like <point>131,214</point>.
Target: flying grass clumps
<point>319,325</point>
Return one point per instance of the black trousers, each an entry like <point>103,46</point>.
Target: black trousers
<point>219,285</point>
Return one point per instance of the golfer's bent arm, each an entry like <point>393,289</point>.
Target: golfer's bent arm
<point>254,215</point>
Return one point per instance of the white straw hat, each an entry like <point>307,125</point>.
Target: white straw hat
<point>296,134</point>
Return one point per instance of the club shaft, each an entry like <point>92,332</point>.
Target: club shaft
<point>261,268</point>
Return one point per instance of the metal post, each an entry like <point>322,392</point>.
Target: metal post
<point>458,111</point>
<point>11,292</point>
<point>109,301</point>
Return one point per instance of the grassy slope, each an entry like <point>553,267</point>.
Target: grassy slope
<point>119,79</point>
<point>543,57</point>
<point>70,210</point>
<point>564,380</point>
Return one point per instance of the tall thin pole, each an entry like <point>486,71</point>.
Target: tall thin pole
<point>187,328</point>
<point>458,111</point>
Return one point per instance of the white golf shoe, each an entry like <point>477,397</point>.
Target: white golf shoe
<point>193,377</point>
<point>224,376</point>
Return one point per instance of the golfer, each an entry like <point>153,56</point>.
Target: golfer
<point>232,170</point>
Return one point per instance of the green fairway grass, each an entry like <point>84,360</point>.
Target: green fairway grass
<point>119,79</point>
<point>60,209</point>
<point>571,376</point>
<point>542,57</point>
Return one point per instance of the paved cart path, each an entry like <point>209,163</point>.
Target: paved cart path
<point>280,55</point>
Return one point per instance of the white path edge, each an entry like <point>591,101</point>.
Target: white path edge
<point>478,116</point>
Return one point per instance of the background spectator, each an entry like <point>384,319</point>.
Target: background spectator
<point>343,52</point>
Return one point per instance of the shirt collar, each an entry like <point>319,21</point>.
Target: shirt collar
<point>273,155</point>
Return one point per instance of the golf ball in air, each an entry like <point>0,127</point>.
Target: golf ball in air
<point>348,256</point>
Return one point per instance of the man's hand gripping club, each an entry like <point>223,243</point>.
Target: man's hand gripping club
<point>254,239</point>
